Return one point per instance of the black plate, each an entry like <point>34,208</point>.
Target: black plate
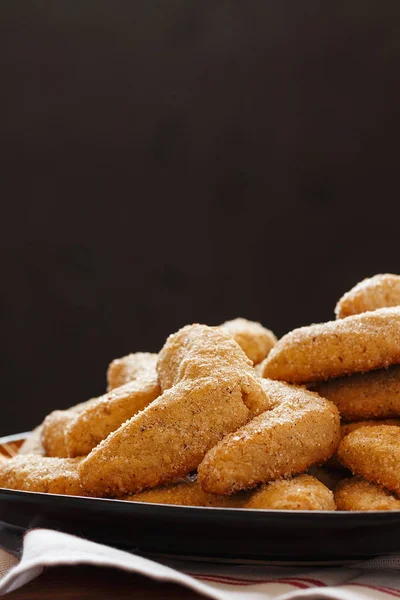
<point>205,533</point>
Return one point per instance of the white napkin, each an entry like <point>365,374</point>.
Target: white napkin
<point>377,578</point>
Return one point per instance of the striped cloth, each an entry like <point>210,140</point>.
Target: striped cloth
<point>377,578</point>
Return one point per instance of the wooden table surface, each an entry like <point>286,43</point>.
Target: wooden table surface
<point>92,583</point>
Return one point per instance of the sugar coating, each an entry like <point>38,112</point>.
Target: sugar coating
<point>42,474</point>
<point>107,413</point>
<point>358,494</point>
<point>210,389</point>
<point>254,339</point>
<point>372,293</point>
<point>373,395</point>
<point>138,365</point>
<point>54,427</point>
<point>373,453</point>
<point>303,492</point>
<point>188,493</point>
<point>356,344</point>
<point>300,430</point>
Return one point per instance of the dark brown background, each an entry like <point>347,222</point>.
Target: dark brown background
<point>169,162</point>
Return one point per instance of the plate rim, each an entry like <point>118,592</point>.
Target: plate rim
<point>316,514</point>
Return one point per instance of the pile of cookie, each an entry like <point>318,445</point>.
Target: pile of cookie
<point>229,416</point>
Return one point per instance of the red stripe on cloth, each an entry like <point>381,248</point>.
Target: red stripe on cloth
<point>385,590</point>
<point>387,587</point>
<point>287,580</point>
<point>243,582</point>
<point>229,578</point>
<point>220,580</point>
<point>316,582</point>
<point>238,579</point>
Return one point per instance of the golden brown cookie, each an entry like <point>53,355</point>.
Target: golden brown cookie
<point>373,395</point>
<point>54,426</point>
<point>188,493</point>
<point>300,430</point>
<point>299,493</point>
<point>139,365</point>
<point>346,428</point>
<point>373,453</point>
<point>372,293</point>
<point>97,421</point>
<point>42,474</point>
<point>210,390</point>
<point>358,494</point>
<point>255,340</point>
<point>356,344</point>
